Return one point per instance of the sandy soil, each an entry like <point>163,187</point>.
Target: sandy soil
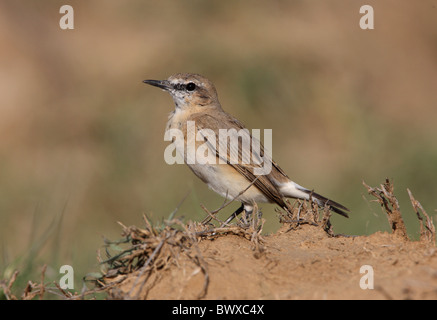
<point>305,263</point>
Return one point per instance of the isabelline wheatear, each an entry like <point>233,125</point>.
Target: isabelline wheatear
<point>196,102</point>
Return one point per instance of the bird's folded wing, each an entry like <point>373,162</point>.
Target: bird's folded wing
<point>241,155</point>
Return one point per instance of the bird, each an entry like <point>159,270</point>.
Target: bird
<point>196,103</point>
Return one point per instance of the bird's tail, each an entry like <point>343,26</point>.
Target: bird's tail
<point>333,206</point>
<point>294,190</point>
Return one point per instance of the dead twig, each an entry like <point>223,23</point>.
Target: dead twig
<point>143,268</point>
<point>427,229</point>
<point>7,288</point>
<point>43,273</point>
<point>65,294</point>
<point>307,212</point>
<point>326,223</point>
<point>386,198</point>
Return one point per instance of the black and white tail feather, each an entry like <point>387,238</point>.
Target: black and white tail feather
<point>293,190</point>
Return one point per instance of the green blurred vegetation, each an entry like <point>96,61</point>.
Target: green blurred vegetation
<point>82,136</point>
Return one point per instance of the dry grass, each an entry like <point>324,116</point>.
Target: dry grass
<point>304,212</point>
<point>140,258</point>
<point>152,250</point>
<point>385,196</point>
<point>427,228</point>
<point>388,201</point>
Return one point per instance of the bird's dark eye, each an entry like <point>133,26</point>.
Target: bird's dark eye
<point>191,86</point>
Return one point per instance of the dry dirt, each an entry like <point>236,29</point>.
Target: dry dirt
<point>302,260</point>
<point>305,263</point>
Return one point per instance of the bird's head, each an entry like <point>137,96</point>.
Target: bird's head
<point>188,90</point>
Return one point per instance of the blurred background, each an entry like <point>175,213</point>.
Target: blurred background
<point>82,143</point>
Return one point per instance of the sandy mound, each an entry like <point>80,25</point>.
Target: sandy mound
<point>305,263</point>
<point>303,260</point>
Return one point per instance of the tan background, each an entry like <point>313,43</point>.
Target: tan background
<point>82,137</point>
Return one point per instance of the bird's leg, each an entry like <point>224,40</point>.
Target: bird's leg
<point>248,211</point>
<point>232,216</point>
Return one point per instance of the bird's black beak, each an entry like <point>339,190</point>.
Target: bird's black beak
<point>163,84</point>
